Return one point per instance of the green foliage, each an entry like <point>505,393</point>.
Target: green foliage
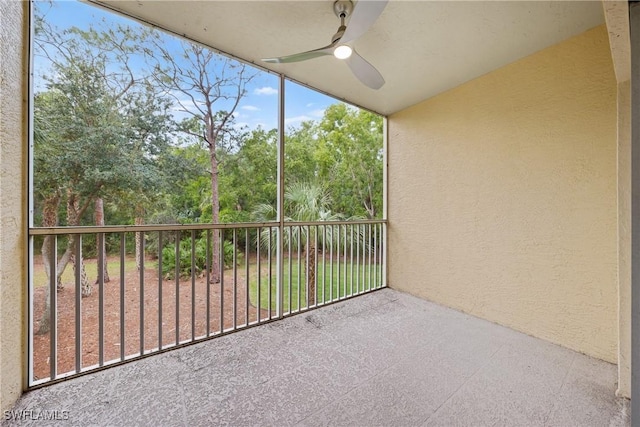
<point>343,152</point>
<point>102,131</point>
<point>185,265</point>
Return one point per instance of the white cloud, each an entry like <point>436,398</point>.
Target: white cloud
<point>297,119</point>
<point>250,108</point>
<point>311,104</point>
<point>266,90</point>
<point>317,113</point>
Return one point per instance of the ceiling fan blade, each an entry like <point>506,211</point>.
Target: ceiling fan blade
<point>303,56</point>
<point>364,71</point>
<point>364,14</point>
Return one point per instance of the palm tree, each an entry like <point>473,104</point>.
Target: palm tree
<point>303,202</point>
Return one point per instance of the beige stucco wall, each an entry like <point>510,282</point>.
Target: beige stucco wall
<point>502,197</point>
<point>13,167</point>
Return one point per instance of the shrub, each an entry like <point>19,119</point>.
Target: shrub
<point>169,257</point>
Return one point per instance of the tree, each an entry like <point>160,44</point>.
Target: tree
<point>304,202</point>
<point>84,125</point>
<point>213,86</point>
<point>350,156</point>
<point>249,175</point>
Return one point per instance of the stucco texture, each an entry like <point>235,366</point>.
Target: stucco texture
<point>13,166</point>
<point>502,197</point>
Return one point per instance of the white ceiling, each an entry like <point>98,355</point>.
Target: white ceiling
<point>422,48</point>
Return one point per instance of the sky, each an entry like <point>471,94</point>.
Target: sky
<point>259,107</point>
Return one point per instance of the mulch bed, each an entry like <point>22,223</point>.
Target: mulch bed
<point>66,339</point>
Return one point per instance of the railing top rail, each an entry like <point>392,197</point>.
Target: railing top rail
<point>43,231</point>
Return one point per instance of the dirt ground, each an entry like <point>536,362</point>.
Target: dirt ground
<point>192,305</point>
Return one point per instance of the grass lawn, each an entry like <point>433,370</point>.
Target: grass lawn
<point>336,284</point>
<point>294,284</point>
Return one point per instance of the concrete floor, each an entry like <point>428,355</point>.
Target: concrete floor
<point>385,358</point>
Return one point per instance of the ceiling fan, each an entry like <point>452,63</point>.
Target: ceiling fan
<point>363,15</point>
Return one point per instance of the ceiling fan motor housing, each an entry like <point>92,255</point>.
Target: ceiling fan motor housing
<point>342,8</point>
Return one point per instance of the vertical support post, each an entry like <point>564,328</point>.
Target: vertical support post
<point>634,27</point>
<point>385,196</point>
<point>280,213</point>
<point>28,367</point>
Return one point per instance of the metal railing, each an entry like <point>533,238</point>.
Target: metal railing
<point>178,284</point>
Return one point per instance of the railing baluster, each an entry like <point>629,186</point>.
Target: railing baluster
<point>290,275</point>
<point>324,262</point>
<point>375,256</point>
<point>193,285</point>
<point>307,265</point>
<point>259,276</point>
<point>358,259</point>
<point>53,306</point>
<point>383,250</point>
<point>160,290</point>
<point>177,286</point>
<point>351,261</point>
<point>338,290</point>
<point>221,249</point>
<point>315,266</point>
<point>344,258</point>
<point>246,277</point>
<point>364,257</point>
<point>331,263</point>
<point>208,278</point>
<point>235,280</point>
<point>270,271</point>
<point>380,262</point>
<point>122,291</point>
<point>78,254</point>
<point>299,263</point>
<point>142,249</point>
<point>370,250</point>
<point>100,268</point>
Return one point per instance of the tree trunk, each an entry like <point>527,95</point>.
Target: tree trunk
<point>139,220</point>
<point>49,219</point>
<point>99,220</point>
<point>311,276</point>
<point>73,219</point>
<point>215,209</point>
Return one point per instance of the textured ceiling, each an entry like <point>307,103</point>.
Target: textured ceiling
<point>422,48</point>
